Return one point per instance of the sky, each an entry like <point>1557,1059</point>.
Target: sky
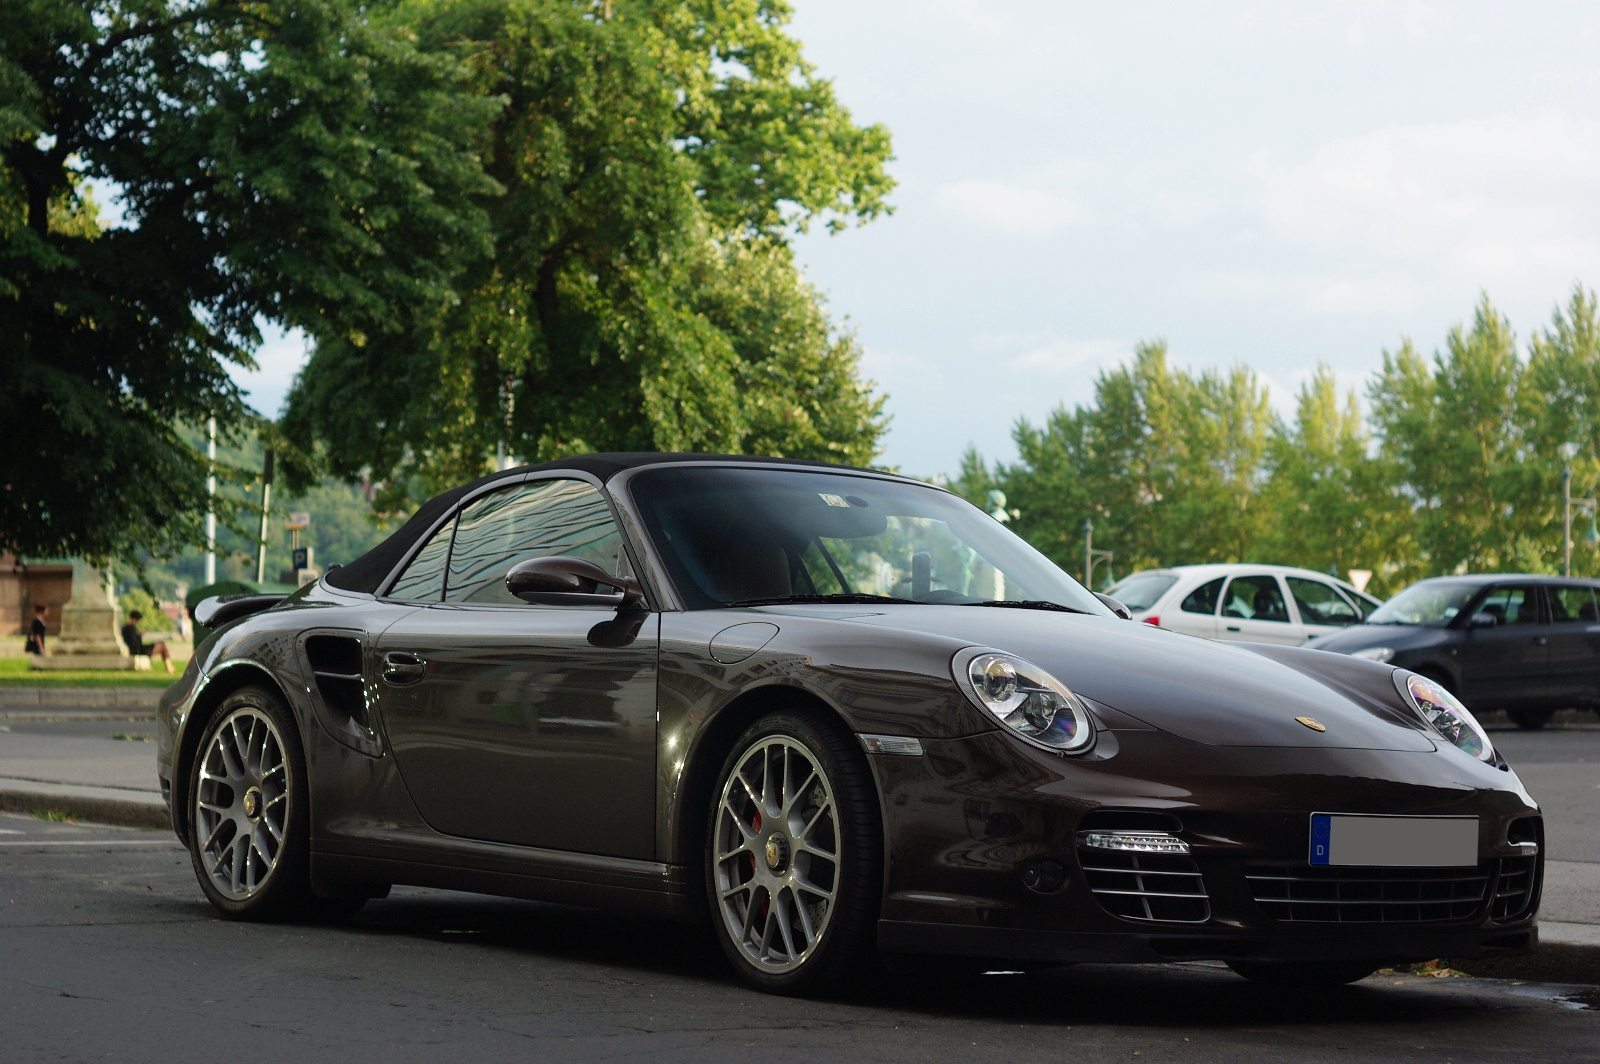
<point>1276,185</point>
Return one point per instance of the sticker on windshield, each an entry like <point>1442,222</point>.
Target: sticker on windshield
<point>833,500</point>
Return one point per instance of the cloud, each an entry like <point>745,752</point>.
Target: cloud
<point>1014,210</point>
<point>1059,356</point>
<point>1488,201</point>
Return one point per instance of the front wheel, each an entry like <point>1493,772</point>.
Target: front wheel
<point>249,832</point>
<point>794,855</point>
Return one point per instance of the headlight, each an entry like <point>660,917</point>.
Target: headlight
<point>1026,699</point>
<point>1445,713</point>
<point>1375,654</point>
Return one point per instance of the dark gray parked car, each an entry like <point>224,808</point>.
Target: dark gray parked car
<point>1529,645</point>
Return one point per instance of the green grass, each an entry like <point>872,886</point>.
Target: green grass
<point>14,672</point>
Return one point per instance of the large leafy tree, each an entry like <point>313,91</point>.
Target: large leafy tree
<point>1334,504</point>
<point>292,161</point>
<point>1450,428</point>
<point>652,159</point>
<point>1166,464</point>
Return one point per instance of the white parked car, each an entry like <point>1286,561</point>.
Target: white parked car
<point>1246,603</point>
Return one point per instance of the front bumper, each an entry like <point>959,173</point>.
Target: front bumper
<point>967,822</point>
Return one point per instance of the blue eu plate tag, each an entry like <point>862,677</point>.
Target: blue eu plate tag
<point>1321,833</point>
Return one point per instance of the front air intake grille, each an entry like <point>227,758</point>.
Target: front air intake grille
<point>1517,888</point>
<point>1513,892</point>
<point>1165,888</point>
<point>1302,894</point>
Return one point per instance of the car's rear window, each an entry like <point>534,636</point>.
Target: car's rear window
<point>1141,590</point>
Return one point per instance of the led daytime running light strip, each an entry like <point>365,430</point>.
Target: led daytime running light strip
<point>1134,841</point>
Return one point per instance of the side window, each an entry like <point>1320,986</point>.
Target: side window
<point>1512,605</point>
<point>1319,603</point>
<point>1203,599</point>
<point>537,520</point>
<point>423,579</point>
<point>1255,598</point>
<point>1571,604</point>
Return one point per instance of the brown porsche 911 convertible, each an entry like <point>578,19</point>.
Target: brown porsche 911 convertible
<point>842,716</point>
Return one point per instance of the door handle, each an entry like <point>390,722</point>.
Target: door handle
<point>1233,628</point>
<point>401,668</point>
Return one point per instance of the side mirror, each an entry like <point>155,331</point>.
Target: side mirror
<point>565,581</point>
<point>1114,606</point>
<point>1482,620</point>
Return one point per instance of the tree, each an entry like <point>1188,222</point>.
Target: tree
<point>1333,503</point>
<point>1167,465</point>
<point>652,159</point>
<point>293,161</point>
<point>1452,434</point>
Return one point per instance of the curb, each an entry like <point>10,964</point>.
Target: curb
<point>80,697</point>
<point>104,805</point>
<point>1554,962</point>
<point>42,715</point>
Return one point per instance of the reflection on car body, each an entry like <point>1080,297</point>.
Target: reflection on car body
<point>846,714</point>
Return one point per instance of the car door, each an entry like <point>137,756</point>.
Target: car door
<point>520,723</point>
<point>1197,611</point>
<point>1574,645</point>
<point>1504,665</point>
<point>1322,608</point>
<point>1254,610</point>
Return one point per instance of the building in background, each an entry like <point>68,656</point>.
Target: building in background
<point>23,583</point>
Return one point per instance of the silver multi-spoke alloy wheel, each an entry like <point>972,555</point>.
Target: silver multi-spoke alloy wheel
<point>241,805</point>
<point>776,857</point>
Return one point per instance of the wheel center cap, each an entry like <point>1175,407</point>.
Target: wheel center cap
<point>777,852</point>
<point>252,803</point>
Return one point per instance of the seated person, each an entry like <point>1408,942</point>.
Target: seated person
<point>136,644</point>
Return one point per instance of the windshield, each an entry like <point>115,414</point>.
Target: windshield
<point>749,536</point>
<point>1140,591</point>
<point>1432,602</point>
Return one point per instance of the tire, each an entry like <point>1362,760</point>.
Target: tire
<point>1530,719</point>
<point>794,856</point>
<point>1307,975</point>
<point>249,814</point>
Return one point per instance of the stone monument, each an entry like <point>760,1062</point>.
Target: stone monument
<point>89,638</point>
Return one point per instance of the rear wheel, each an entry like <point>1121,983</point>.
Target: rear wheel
<point>1306,975</point>
<point>249,834</point>
<point>794,856</point>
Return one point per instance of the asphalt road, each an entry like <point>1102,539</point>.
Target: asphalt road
<point>107,951</point>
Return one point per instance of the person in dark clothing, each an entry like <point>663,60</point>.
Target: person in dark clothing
<point>136,644</point>
<point>35,644</point>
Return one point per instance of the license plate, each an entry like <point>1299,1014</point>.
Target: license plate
<point>1394,841</point>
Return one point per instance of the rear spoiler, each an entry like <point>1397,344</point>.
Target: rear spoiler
<point>218,610</point>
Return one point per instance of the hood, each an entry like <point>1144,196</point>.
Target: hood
<point>1219,694</point>
<point>1364,636</point>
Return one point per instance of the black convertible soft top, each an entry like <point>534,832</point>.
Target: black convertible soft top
<point>367,572</point>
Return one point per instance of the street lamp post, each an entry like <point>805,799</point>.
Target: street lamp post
<point>1091,556</point>
<point>1569,451</point>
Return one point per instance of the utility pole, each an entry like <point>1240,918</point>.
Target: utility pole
<point>1569,451</point>
<point>266,504</point>
<point>211,504</point>
<point>1566,517</point>
<point>1091,556</point>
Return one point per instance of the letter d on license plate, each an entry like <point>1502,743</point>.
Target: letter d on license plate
<point>1394,841</point>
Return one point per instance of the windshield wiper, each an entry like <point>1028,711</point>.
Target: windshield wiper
<point>1029,604</point>
<point>783,600</point>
